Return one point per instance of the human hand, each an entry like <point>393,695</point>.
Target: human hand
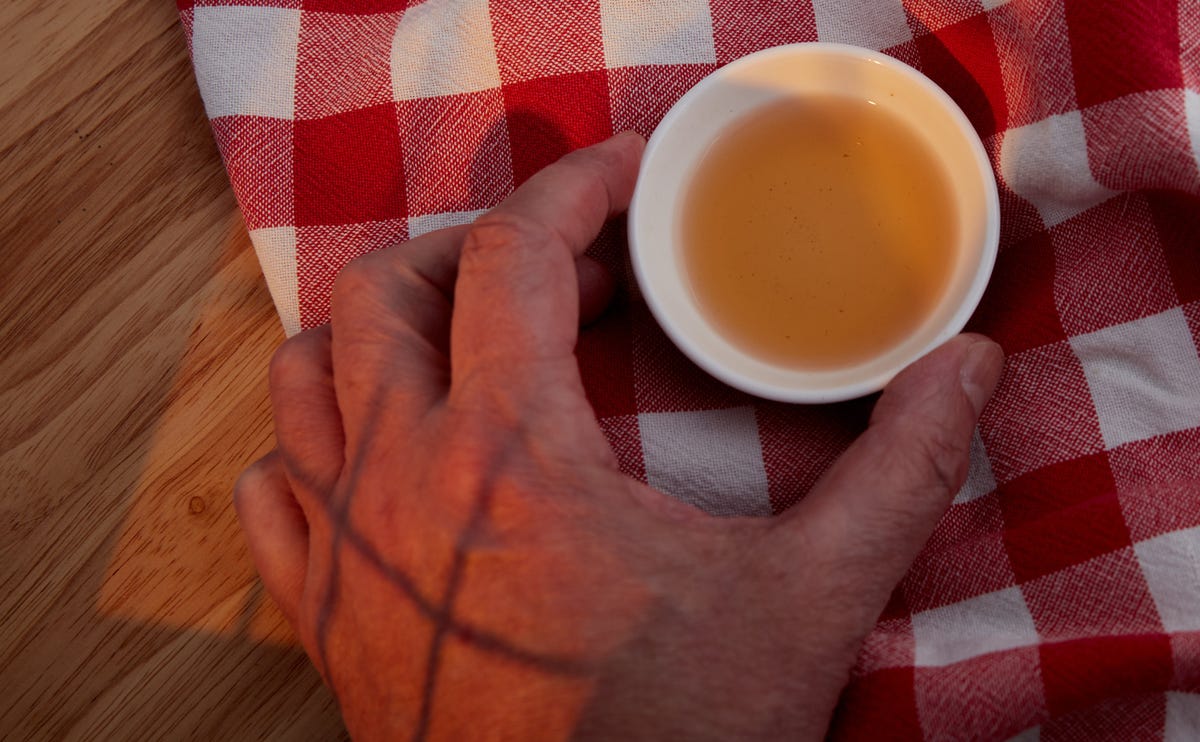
<point>445,526</point>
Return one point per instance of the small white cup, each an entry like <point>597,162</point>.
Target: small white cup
<point>758,80</point>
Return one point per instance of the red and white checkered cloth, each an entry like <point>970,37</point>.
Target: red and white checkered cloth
<point>1060,596</point>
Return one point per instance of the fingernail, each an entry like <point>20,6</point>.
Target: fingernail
<point>980,372</point>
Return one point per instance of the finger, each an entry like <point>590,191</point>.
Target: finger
<point>276,531</point>
<point>596,288</point>
<point>432,261</point>
<point>308,425</point>
<point>390,319</point>
<point>577,194</point>
<point>875,508</point>
<point>517,303</point>
<point>404,290</point>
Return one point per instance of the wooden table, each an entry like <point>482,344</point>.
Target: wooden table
<point>135,331</point>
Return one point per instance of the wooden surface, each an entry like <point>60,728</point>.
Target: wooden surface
<point>135,331</point>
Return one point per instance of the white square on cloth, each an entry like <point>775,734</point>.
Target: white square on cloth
<point>1047,164</point>
<point>876,25</point>
<point>426,223</point>
<point>245,59</point>
<point>977,626</point>
<point>711,459</point>
<point>444,48</point>
<point>1183,718</point>
<point>980,480</point>
<point>639,32</point>
<point>1144,377</point>
<point>1171,565</point>
<point>276,251</point>
<point>1191,105</point>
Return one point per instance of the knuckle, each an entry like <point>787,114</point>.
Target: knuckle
<point>936,457</point>
<point>945,459</point>
<point>289,359</point>
<point>596,160</point>
<point>247,484</point>
<point>498,232</point>
<point>357,282</point>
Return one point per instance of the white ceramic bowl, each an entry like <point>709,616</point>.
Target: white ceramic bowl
<point>761,79</point>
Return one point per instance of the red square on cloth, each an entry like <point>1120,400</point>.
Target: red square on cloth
<point>1189,42</point>
<point>666,381</point>
<point>1159,484</point>
<point>1055,489</point>
<point>1021,218</point>
<point>349,168</point>
<point>1176,218</point>
<point>1041,507</point>
<point>1164,458</point>
<point>549,117</point>
<point>187,18</point>
<point>1018,309</point>
<point>642,95</point>
<point>962,59</point>
<point>890,644</point>
<point>1053,541</point>
<point>940,577</point>
<point>1141,141</point>
<point>967,520</point>
<point>1110,267</point>
<point>800,442</point>
<point>1107,595</point>
<point>1185,649</point>
<point>925,16</point>
<point>1079,674</point>
<point>456,152</point>
<point>257,152</point>
<point>906,51</point>
<point>945,573</point>
<point>1139,718</point>
<point>343,61</point>
<point>360,7</point>
<point>1040,414</point>
<point>291,4</point>
<point>880,706</point>
<point>605,352</point>
<point>741,27</point>
<point>1122,48</point>
<point>536,41</point>
<point>322,252</point>
<point>622,434</point>
<point>952,697</point>
<point>1035,59</point>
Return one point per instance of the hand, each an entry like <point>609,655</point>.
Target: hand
<point>445,526</point>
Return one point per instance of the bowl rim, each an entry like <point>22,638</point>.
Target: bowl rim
<point>793,393</point>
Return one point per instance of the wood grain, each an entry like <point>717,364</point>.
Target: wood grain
<point>135,331</point>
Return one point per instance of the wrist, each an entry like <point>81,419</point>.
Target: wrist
<point>718,665</point>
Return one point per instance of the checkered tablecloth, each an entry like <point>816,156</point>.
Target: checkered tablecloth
<point>1060,596</point>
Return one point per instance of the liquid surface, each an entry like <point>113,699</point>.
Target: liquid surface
<point>819,233</point>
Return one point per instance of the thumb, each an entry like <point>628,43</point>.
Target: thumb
<point>875,508</point>
<point>276,531</point>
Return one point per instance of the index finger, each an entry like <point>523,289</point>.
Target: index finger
<point>517,297</point>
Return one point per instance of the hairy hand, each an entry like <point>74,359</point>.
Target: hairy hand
<point>444,523</point>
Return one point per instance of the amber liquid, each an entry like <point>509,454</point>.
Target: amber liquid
<point>819,233</point>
